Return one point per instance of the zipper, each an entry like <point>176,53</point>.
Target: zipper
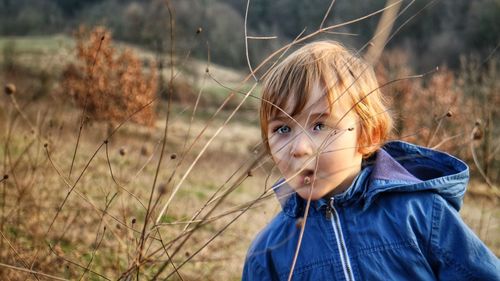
<point>333,215</point>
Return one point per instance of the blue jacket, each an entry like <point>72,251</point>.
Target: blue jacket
<point>398,221</point>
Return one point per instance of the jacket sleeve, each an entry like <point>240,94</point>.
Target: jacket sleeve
<point>457,253</point>
<point>252,271</point>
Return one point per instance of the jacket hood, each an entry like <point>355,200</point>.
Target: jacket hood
<point>397,167</point>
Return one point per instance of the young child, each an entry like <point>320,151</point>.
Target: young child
<point>368,210</point>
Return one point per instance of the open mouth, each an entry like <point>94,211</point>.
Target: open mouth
<point>307,177</point>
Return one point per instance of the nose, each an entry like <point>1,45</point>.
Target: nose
<point>301,146</point>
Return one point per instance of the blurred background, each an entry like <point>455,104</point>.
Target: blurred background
<point>437,32</point>
<point>129,132</point>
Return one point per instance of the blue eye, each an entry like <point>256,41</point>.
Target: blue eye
<point>283,129</point>
<point>319,127</point>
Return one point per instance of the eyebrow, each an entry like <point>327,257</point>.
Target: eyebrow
<point>312,116</point>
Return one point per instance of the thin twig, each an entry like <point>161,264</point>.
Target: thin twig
<point>214,236</point>
<point>476,161</point>
<point>246,43</point>
<point>96,243</point>
<point>165,134</point>
<point>82,119</point>
<point>261,37</point>
<point>92,158</point>
<point>326,14</point>
<point>306,213</point>
<point>16,106</point>
<point>74,263</point>
<point>447,140</point>
<point>32,272</point>
<point>382,32</point>
<point>92,204</point>
<point>181,181</point>
<point>176,270</point>
<point>238,181</point>
<point>116,182</point>
<point>17,254</point>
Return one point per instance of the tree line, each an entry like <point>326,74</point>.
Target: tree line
<point>435,32</point>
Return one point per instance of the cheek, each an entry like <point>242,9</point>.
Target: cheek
<point>278,152</point>
<point>341,148</point>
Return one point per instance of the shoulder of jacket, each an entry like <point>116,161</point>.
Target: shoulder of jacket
<point>409,200</point>
<point>415,210</point>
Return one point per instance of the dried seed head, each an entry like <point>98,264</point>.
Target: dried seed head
<point>187,254</point>
<point>449,113</point>
<point>45,145</point>
<point>122,151</point>
<point>199,30</point>
<point>162,188</point>
<point>133,221</point>
<point>299,222</point>
<point>10,89</point>
<point>144,150</point>
<point>173,156</point>
<point>5,177</point>
<point>477,133</point>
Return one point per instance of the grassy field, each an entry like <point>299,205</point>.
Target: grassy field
<point>81,215</point>
<point>54,220</point>
<point>55,51</point>
<point>37,186</point>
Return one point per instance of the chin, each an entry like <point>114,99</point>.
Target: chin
<point>317,194</point>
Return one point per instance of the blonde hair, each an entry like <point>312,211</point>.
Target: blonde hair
<point>339,72</point>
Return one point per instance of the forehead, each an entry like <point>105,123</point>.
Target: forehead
<point>316,99</point>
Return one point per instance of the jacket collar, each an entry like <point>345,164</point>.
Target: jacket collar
<point>397,167</point>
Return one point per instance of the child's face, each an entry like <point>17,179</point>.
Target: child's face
<point>321,155</point>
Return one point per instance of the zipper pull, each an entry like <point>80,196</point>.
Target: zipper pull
<point>329,209</point>
<point>328,213</point>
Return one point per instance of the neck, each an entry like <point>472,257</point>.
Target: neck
<point>344,185</point>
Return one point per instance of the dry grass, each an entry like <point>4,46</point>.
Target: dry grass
<point>481,212</point>
<point>34,192</point>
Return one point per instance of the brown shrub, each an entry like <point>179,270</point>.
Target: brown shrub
<point>110,86</point>
<point>441,109</point>
<point>429,111</point>
<point>183,93</point>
